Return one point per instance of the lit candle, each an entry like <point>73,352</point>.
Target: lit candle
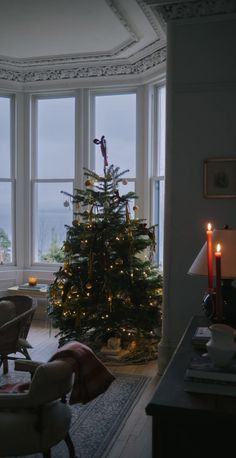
<point>32,281</point>
<point>219,304</point>
<point>209,257</point>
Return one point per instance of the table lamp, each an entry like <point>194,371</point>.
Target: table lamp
<point>227,240</point>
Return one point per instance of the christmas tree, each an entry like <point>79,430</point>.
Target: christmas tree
<point>108,292</point>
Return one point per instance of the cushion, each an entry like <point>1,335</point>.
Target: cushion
<point>7,311</point>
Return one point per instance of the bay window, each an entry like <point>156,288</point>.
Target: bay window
<point>54,144</point>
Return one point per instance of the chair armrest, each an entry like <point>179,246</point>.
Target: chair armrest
<point>26,365</point>
<point>15,401</point>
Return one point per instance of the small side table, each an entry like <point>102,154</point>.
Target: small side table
<point>35,294</point>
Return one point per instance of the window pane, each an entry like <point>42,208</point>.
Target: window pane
<point>161,130</point>
<point>50,218</point>
<point>159,220</point>
<point>5,223</point>
<point>4,137</point>
<point>115,117</point>
<point>55,138</point>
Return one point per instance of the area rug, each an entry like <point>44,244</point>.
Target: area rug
<point>96,425</point>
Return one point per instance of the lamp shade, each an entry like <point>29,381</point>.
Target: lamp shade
<point>227,240</point>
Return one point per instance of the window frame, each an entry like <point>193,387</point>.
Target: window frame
<point>33,180</point>
<point>23,138</point>
<point>12,177</point>
<point>157,211</point>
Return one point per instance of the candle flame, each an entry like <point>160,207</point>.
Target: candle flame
<point>218,247</point>
<point>209,226</point>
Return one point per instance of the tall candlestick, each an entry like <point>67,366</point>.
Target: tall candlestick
<point>209,257</point>
<point>219,302</point>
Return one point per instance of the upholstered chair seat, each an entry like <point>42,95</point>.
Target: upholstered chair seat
<point>36,417</point>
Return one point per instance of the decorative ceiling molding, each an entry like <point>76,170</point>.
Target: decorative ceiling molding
<point>190,9</point>
<point>64,59</point>
<point>137,68</point>
<point>80,57</point>
<point>114,5</point>
<point>151,16</point>
<point>107,63</point>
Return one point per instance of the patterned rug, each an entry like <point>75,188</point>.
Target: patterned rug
<point>95,426</point>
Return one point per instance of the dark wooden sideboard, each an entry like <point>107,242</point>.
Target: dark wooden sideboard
<point>190,424</point>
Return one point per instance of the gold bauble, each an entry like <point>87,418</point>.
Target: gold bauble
<point>89,182</point>
<point>60,285</point>
<point>74,290</point>
<point>136,208</point>
<point>89,285</point>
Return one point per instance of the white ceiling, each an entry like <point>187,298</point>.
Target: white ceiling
<point>106,29</point>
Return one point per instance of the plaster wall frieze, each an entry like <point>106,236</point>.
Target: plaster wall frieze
<point>11,75</point>
<point>138,68</point>
<point>147,51</point>
<point>196,8</point>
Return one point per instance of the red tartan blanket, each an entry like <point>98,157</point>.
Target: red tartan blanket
<point>15,387</point>
<point>91,377</point>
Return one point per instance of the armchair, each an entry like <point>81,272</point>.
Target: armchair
<point>32,418</point>
<point>16,314</point>
<point>35,416</point>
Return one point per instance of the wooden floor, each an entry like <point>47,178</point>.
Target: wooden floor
<point>134,440</point>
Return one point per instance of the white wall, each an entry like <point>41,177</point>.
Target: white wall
<point>201,123</point>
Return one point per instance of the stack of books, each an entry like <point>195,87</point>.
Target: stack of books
<point>201,337</point>
<point>39,287</point>
<point>202,376</point>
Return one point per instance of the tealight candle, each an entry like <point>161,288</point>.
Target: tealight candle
<point>32,281</point>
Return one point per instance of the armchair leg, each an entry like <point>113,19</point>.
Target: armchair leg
<point>5,366</point>
<point>25,352</point>
<point>70,446</point>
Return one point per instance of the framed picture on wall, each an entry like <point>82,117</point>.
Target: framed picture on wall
<point>220,178</point>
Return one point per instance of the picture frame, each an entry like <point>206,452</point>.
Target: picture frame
<point>220,178</point>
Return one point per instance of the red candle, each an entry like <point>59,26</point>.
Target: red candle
<point>219,303</point>
<point>209,257</point>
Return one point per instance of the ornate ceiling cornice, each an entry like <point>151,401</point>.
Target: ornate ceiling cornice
<point>193,8</point>
<point>115,7</point>
<point>120,70</point>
